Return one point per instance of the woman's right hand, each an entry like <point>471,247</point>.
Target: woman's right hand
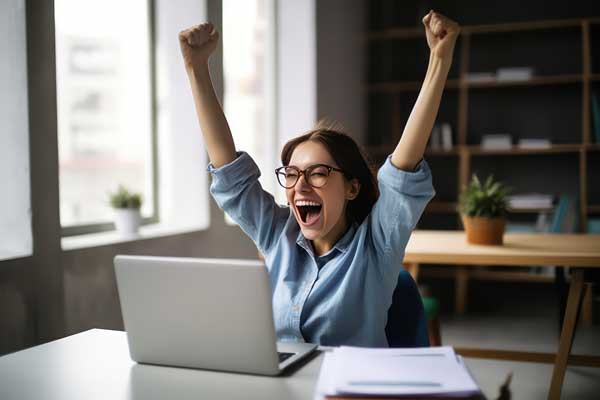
<point>197,44</point>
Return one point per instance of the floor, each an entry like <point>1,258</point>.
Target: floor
<point>532,328</point>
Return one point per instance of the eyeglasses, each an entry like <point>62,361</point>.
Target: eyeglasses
<point>315,175</point>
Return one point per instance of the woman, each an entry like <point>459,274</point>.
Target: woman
<point>334,254</point>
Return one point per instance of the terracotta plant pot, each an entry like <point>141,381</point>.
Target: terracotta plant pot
<point>484,230</point>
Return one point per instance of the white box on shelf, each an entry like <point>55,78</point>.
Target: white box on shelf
<point>501,141</point>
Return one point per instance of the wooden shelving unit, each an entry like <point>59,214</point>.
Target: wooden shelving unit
<point>572,83</point>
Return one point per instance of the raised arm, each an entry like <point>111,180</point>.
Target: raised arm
<point>441,35</point>
<point>197,44</point>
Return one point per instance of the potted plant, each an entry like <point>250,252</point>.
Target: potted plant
<point>126,206</point>
<point>483,210</point>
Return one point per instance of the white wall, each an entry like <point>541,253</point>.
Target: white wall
<point>183,180</point>
<point>297,68</point>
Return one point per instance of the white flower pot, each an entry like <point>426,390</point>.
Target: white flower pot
<point>128,221</point>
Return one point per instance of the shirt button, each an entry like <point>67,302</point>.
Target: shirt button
<point>295,308</point>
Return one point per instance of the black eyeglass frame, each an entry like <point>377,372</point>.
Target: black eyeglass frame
<point>306,176</point>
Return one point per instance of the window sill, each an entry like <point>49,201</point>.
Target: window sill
<point>113,237</point>
<point>10,254</point>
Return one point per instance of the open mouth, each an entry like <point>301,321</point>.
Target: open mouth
<point>309,211</point>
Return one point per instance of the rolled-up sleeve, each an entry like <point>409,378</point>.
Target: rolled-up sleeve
<point>403,197</point>
<point>237,191</point>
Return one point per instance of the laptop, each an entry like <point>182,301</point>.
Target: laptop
<point>202,313</point>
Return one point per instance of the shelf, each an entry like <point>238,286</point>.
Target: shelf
<point>487,275</point>
<point>445,207</point>
<point>385,150</point>
<point>561,52</point>
<point>524,26</point>
<point>407,33</point>
<point>529,210</point>
<point>440,152</point>
<point>441,207</point>
<point>515,150</point>
<point>476,150</point>
<point>535,81</point>
<point>395,87</point>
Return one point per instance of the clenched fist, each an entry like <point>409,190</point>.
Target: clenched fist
<point>441,34</point>
<point>197,44</point>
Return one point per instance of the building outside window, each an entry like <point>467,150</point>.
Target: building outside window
<point>106,130</point>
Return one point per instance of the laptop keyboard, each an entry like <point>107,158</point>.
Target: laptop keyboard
<point>284,356</point>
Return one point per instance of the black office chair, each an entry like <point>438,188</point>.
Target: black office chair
<point>407,323</point>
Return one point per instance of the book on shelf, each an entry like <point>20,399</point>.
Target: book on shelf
<point>446,131</point>
<point>502,141</point>
<point>441,137</point>
<point>435,141</point>
<point>514,74</point>
<point>593,225</point>
<point>596,116</point>
<point>534,143</point>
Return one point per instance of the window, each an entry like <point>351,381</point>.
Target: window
<point>105,91</point>
<point>15,201</point>
<point>249,74</point>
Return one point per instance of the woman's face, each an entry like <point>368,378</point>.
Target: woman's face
<point>320,212</point>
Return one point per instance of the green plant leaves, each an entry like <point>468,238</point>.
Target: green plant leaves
<point>484,200</point>
<point>122,198</point>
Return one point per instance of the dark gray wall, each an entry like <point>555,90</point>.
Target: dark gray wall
<point>341,64</point>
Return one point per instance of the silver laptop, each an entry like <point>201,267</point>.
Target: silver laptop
<point>202,313</point>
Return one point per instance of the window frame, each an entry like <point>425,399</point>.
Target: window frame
<point>84,229</point>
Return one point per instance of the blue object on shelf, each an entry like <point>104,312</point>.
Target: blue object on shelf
<point>593,225</point>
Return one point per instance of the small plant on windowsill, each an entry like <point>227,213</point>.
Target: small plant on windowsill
<point>483,208</point>
<point>126,206</point>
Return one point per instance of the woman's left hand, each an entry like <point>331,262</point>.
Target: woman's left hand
<point>441,34</point>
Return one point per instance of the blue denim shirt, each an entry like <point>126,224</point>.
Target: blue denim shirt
<point>341,297</point>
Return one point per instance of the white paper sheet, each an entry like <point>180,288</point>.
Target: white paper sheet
<point>424,371</point>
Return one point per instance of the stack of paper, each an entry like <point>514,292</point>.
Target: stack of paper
<point>427,371</point>
<point>531,200</point>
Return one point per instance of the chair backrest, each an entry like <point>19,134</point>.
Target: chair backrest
<point>407,323</point>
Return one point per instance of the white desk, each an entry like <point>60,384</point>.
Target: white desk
<point>95,365</point>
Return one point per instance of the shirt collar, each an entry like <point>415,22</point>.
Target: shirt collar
<point>341,245</point>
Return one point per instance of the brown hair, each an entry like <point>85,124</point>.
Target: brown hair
<point>350,158</point>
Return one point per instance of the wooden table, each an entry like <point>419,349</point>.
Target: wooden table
<point>577,251</point>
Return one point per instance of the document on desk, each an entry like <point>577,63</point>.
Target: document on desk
<point>431,371</point>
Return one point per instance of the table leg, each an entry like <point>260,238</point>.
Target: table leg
<point>461,289</point>
<point>560,284</point>
<point>566,336</point>
<point>587,313</point>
